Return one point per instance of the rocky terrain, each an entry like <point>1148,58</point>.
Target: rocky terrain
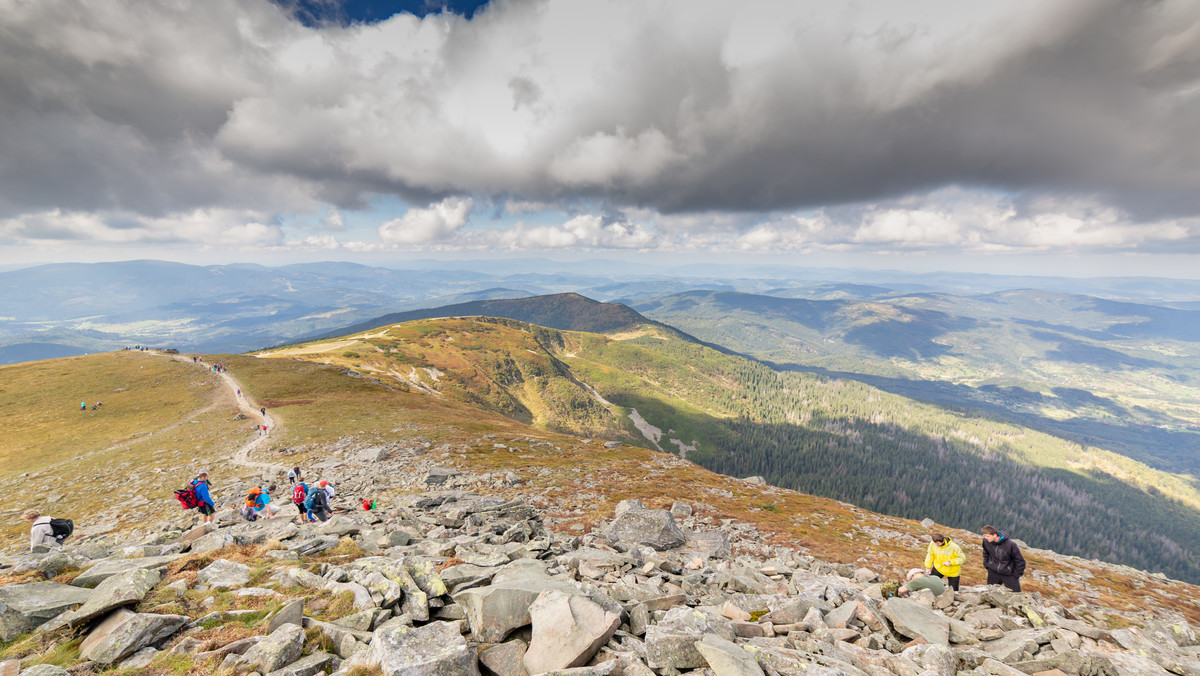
<point>464,571</point>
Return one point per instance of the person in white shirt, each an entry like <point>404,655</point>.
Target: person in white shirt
<point>327,486</point>
<point>41,533</point>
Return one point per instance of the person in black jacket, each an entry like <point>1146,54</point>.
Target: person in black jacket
<point>1002,559</point>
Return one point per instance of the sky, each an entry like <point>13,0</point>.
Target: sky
<point>1022,136</point>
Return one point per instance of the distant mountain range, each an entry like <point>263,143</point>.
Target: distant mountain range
<point>1125,376</point>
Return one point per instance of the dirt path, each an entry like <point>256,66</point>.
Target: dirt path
<point>251,410</point>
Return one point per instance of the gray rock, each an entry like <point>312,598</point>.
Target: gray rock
<point>224,574</point>
<point>505,659</point>
<point>602,669</point>
<point>436,649</point>
<point>45,670</point>
<point>212,542</point>
<point>494,611</point>
<point>681,510</point>
<point>123,633</point>
<point>281,648</point>
<point>118,591</point>
<point>291,613</point>
<point>139,659</point>
<point>1013,644</point>
<point>24,607</point>
<point>316,663</point>
<point>652,527</point>
<point>915,621</point>
<point>568,629</point>
<point>107,568</point>
<point>726,658</point>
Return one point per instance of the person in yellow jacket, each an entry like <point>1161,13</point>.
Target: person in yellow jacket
<point>944,558</point>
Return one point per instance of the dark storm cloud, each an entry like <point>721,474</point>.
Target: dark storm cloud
<point>163,109</point>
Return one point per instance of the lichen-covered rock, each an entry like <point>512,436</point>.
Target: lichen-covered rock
<point>26,606</point>
<point>652,527</point>
<point>224,574</point>
<point>276,651</point>
<point>915,621</point>
<point>123,633</point>
<point>726,658</point>
<point>436,649</point>
<point>120,590</point>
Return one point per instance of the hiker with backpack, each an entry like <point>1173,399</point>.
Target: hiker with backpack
<point>198,496</point>
<point>299,495</point>
<point>317,505</point>
<point>260,501</point>
<point>293,475</point>
<point>205,506</point>
<point>46,530</point>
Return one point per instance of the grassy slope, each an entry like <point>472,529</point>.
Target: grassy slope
<point>577,481</point>
<point>703,398</point>
<point>160,420</point>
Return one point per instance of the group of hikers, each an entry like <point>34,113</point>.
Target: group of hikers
<point>944,559</point>
<point>312,502</point>
<point>83,405</point>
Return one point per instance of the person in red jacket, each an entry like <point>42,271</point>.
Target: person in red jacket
<point>1002,559</point>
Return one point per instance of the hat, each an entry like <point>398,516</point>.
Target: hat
<point>323,483</point>
<point>914,573</point>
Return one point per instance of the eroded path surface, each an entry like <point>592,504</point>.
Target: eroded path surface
<point>252,411</point>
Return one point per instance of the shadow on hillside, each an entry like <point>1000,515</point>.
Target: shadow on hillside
<point>891,470</point>
<point>1169,450</point>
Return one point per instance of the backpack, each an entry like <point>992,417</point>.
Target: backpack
<point>187,497</point>
<point>252,496</point>
<point>62,529</point>
<point>316,500</point>
<point>299,493</point>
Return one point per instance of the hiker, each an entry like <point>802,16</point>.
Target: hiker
<point>918,579</point>
<point>1002,559</point>
<point>83,406</point>
<point>263,410</point>
<point>317,505</point>
<point>263,503</point>
<point>47,531</point>
<point>293,474</point>
<point>944,558</point>
<point>327,486</point>
<point>207,507</point>
<point>368,504</point>
<point>299,495</point>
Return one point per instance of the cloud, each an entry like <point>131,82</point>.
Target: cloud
<point>708,121</point>
<point>423,226</point>
<point>205,227</point>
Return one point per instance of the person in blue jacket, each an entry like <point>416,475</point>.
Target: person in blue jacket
<point>207,507</point>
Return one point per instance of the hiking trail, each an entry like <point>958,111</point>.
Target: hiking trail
<point>248,408</point>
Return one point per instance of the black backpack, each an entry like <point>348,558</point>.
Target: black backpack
<point>62,529</point>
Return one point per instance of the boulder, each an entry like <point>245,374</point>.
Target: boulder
<point>24,607</point>
<point>652,527</point>
<point>109,567</point>
<point>494,611</point>
<point>124,632</point>
<point>224,574</point>
<point>281,648</point>
<point>45,670</point>
<point>118,591</point>
<point>568,629</point>
<point>291,613</point>
<point>913,620</point>
<point>436,649</point>
<point>505,659</point>
<point>316,663</point>
<point>726,658</point>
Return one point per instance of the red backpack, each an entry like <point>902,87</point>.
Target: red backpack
<point>187,497</point>
<point>299,492</point>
